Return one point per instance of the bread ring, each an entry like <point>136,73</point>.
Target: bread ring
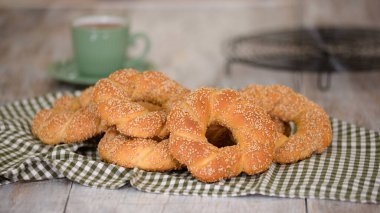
<point>146,154</point>
<point>72,119</point>
<point>313,125</point>
<point>137,102</point>
<point>251,128</point>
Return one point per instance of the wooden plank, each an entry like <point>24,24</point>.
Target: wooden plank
<point>127,199</point>
<point>328,206</point>
<point>353,97</point>
<point>42,196</point>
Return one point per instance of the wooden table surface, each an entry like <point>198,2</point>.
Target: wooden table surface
<point>187,45</point>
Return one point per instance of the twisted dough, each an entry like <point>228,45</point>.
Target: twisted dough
<point>313,125</point>
<point>137,103</point>
<point>146,154</point>
<point>72,119</point>
<point>251,128</point>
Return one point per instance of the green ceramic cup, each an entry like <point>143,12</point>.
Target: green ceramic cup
<point>101,43</point>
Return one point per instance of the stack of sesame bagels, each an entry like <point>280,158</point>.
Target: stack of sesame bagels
<point>151,122</point>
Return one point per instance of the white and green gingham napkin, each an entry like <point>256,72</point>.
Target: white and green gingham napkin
<point>348,170</point>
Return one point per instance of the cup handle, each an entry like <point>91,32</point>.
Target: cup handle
<point>134,37</point>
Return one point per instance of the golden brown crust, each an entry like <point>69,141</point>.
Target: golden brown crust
<point>313,125</point>
<point>119,101</point>
<point>146,154</point>
<point>251,128</point>
<point>72,119</point>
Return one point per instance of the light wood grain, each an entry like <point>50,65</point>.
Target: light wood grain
<point>130,200</point>
<point>328,206</point>
<point>42,196</point>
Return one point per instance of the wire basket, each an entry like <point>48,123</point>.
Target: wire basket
<point>322,50</point>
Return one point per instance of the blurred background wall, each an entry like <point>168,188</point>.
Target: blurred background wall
<point>188,36</point>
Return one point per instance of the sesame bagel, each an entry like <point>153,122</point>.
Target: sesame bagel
<point>251,128</point>
<point>72,119</point>
<point>142,153</point>
<point>312,123</point>
<point>137,103</point>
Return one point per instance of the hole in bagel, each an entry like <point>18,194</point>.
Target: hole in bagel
<point>292,127</point>
<point>219,136</point>
<point>286,128</point>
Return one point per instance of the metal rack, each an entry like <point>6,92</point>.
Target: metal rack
<point>321,50</point>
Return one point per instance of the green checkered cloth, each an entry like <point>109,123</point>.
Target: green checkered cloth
<point>348,170</point>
